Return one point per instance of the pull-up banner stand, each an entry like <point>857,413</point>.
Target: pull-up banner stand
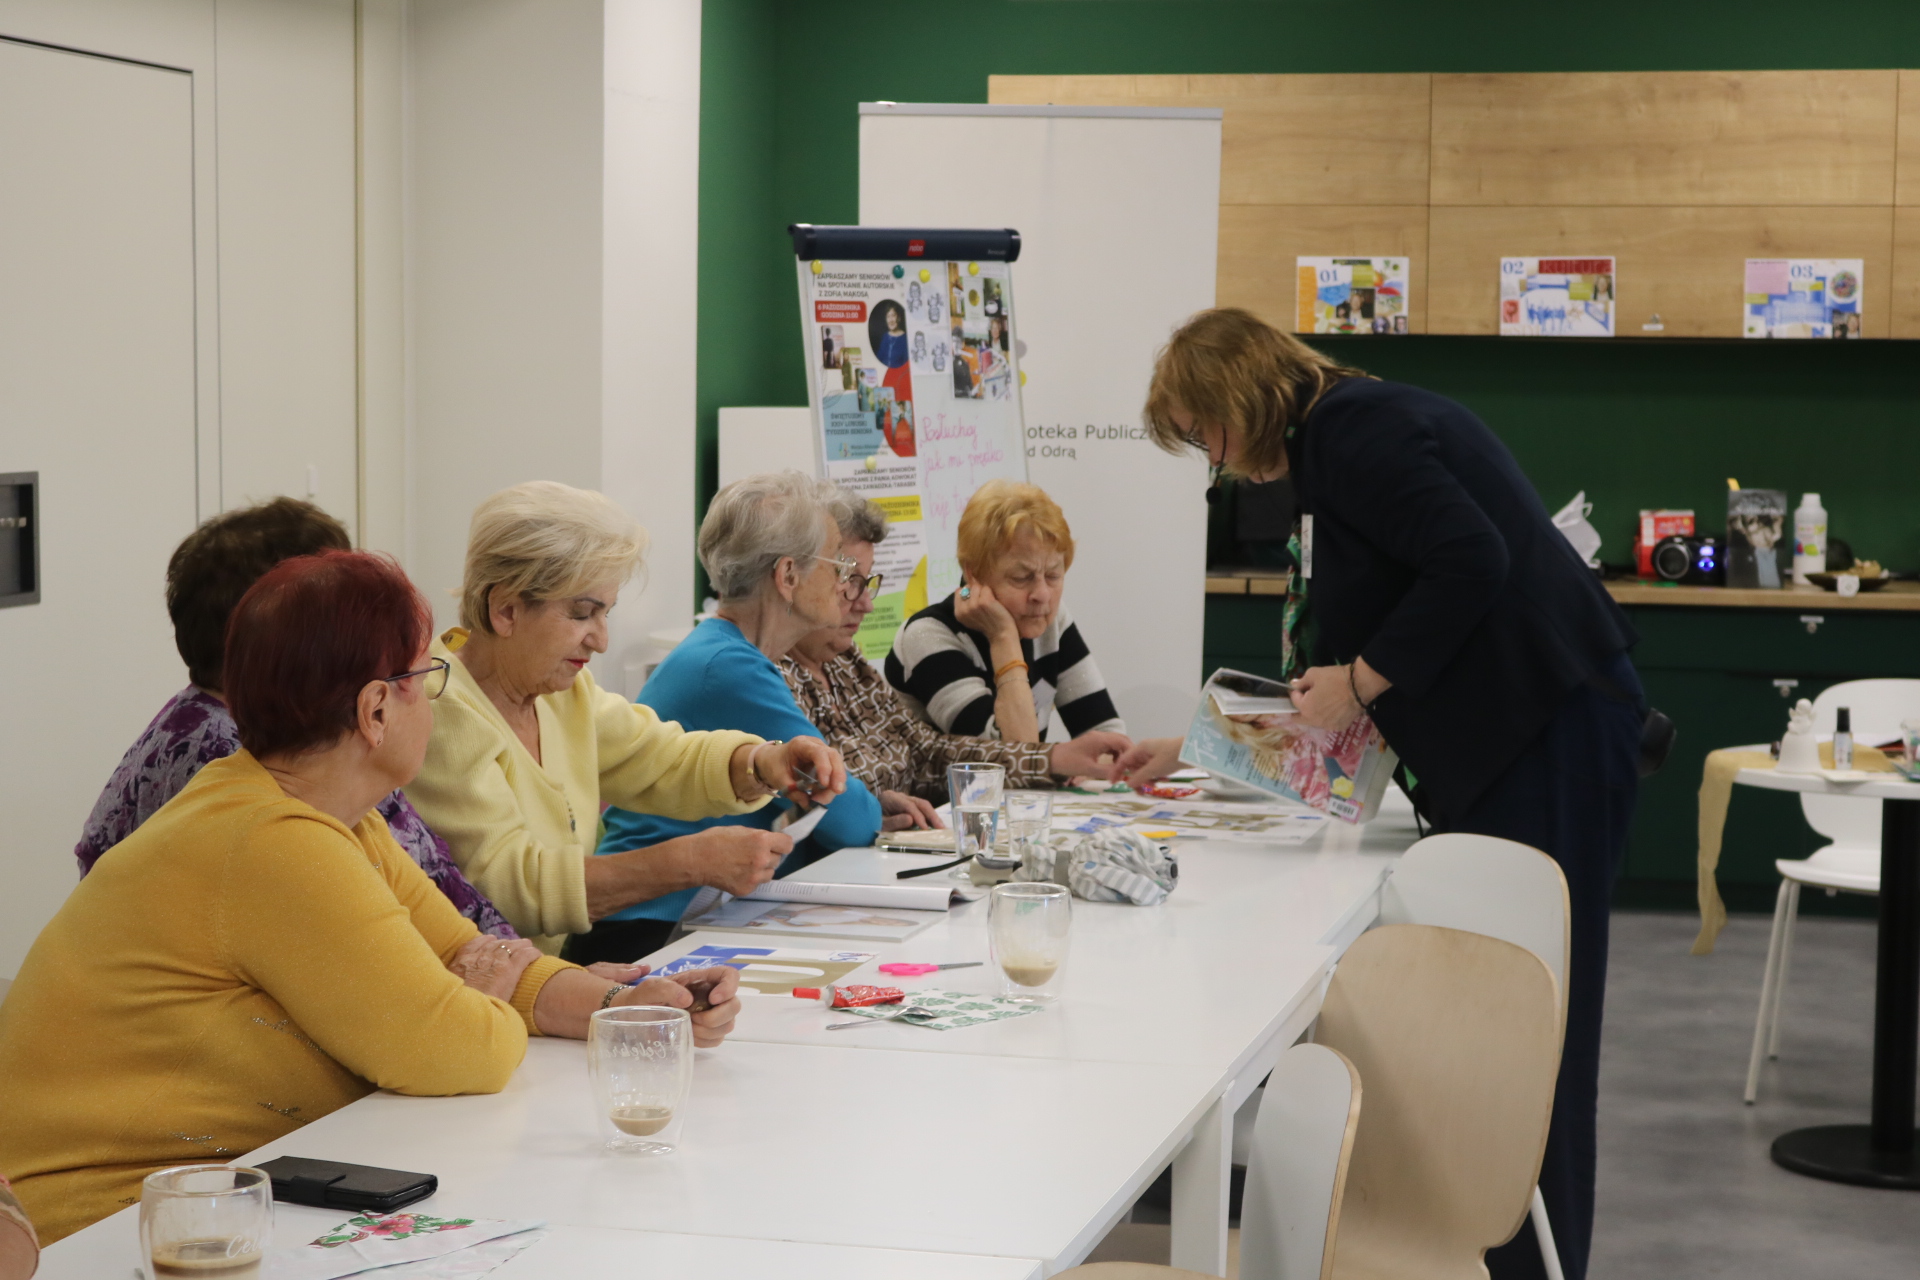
<point>914,383</point>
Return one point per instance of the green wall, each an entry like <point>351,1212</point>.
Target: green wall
<point>1633,422</point>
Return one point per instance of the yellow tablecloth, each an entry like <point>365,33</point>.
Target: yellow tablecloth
<point>1716,789</point>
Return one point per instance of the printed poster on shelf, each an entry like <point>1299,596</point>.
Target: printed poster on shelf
<point>1803,298</point>
<point>1556,297</point>
<point>1352,295</point>
<point>916,399</point>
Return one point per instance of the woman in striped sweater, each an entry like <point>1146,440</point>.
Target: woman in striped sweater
<point>997,657</point>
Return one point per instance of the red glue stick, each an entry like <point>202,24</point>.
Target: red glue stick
<point>850,997</point>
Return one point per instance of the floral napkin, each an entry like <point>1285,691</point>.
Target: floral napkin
<point>429,1246</point>
<point>954,1009</point>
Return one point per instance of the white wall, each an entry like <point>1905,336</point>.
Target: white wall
<point>552,217</point>
<point>1118,212</point>
<point>266,358</point>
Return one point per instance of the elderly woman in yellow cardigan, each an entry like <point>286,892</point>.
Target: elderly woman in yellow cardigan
<point>261,952</point>
<point>527,747</point>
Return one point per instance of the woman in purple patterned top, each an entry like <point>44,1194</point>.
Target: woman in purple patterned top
<point>208,574</point>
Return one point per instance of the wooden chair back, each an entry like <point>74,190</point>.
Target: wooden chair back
<point>1456,1036</point>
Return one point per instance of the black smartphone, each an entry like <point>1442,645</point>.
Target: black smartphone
<point>329,1184</point>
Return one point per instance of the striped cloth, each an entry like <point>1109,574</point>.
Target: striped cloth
<point>942,672</point>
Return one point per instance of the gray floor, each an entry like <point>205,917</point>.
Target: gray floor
<point>1685,1186</point>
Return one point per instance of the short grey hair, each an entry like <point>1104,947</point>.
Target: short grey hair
<point>545,541</point>
<point>754,523</point>
<point>860,519</point>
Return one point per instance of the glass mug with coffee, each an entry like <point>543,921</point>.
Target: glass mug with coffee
<point>1028,924</point>
<point>212,1221</point>
<point>641,1058</point>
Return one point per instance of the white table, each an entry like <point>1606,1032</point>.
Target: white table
<point>1008,1149</point>
<point>1228,971</point>
<point>110,1250</point>
<point>1883,1153</point>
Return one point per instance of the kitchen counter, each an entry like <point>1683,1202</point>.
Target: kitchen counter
<point>1895,597</point>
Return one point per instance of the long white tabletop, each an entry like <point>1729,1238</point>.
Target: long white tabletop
<point>1006,1146</point>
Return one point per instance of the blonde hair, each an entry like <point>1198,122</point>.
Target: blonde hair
<point>545,541</point>
<point>998,513</point>
<point>1230,369</point>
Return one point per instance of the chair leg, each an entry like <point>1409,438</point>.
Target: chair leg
<point>1543,1232</point>
<point>1767,984</point>
<point>1786,964</point>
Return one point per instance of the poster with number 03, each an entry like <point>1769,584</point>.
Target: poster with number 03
<point>914,382</point>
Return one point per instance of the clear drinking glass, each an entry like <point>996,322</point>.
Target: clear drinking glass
<point>212,1221</point>
<point>975,790</point>
<point>641,1058</point>
<point>1028,925</point>
<point>1029,823</point>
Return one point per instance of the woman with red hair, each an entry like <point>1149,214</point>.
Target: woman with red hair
<point>260,952</point>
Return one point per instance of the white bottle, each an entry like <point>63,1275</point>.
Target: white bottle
<point>1809,538</point>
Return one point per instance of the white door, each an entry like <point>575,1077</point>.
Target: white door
<point>97,395</point>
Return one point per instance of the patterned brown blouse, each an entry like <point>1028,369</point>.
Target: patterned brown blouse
<point>889,748</point>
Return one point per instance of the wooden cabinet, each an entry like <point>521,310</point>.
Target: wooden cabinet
<point>1679,175</point>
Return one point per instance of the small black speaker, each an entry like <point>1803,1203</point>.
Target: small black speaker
<point>1691,561</point>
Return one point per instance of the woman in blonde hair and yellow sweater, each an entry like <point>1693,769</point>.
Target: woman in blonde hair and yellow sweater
<point>527,747</point>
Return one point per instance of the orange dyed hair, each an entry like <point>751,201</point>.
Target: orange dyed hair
<point>999,512</point>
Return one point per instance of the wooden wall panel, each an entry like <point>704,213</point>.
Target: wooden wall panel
<point>1665,138</point>
<point>1905,293</point>
<point>1906,182</point>
<point>1687,264</point>
<point>1290,140</point>
<point>1258,245</point>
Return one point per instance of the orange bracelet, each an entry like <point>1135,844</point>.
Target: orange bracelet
<point>1010,666</point>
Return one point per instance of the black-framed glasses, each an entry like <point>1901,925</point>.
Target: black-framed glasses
<point>869,586</point>
<point>436,672</point>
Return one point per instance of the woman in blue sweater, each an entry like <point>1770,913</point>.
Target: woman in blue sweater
<point>771,547</point>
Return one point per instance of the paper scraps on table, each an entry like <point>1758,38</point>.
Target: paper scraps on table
<point>416,1246</point>
<point>954,1009</point>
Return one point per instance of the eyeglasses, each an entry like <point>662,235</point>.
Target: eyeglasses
<point>845,568</point>
<point>436,673</point>
<point>854,588</point>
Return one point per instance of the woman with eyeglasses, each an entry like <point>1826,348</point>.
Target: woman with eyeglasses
<point>206,577</point>
<point>260,953</point>
<point>527,748</point>
<point>772,550</point>
<point>1434,594</point>
<point>902,757</point>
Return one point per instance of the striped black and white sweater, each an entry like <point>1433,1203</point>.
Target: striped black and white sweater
<point>944,672</point>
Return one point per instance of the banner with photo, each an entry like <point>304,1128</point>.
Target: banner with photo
<point>1565,297</point>
<point>914,383</point>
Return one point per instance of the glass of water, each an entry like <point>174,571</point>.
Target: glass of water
<point>975,790</point>
<point>208,1220</point>
<point>1028,924</point>
<point>1029,824</point>
<point>641,1058</point>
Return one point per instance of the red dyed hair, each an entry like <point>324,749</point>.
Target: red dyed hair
<point>308,636</point>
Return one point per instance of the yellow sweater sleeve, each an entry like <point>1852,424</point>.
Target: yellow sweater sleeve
<point>306,918</point>
<point>463,793</point>
<point>654,766</point>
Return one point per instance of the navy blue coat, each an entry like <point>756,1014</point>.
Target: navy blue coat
<point>1434,559</point>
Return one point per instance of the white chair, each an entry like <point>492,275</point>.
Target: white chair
<point>1501,888</point>
<point>1849,862</point>
<point>1296,1174</point>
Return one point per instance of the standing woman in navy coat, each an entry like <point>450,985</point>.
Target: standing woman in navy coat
<point>1436,595</point>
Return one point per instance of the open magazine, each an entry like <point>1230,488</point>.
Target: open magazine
<point>1240,731</point>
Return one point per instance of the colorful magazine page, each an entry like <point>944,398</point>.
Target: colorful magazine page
<point>1802,298</point>
<point>1343,774</point>
<point>771,970</point>
<point>1352,295</point>
<point>1565,297</point>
